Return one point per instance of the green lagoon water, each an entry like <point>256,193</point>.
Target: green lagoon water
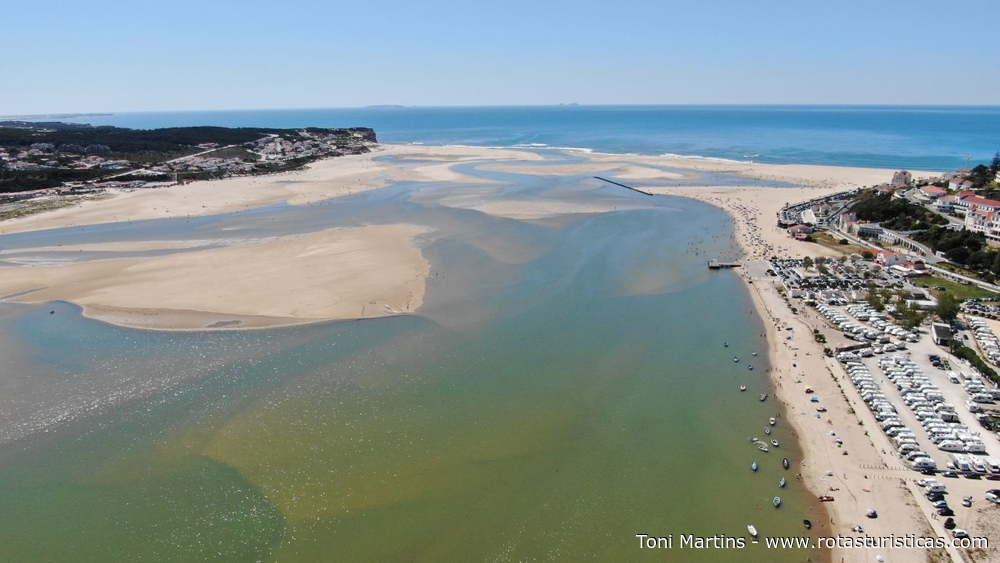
<point>564,388</point>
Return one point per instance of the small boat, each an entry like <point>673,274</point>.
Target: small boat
<point>767,430</point>
<point>735,359</point>
<point>749,367</point>
<point>754,353</point>
<point>751,530</point>
<point>871,513</point>
<point>763,397</point>
<point>725,345</point>
<point>772,421</point>
<point>808,525</point>
<point>774,442</point>
<point>825,498</point>
<point>776,502</point>
<point>743,387</point>
<point>753,465</point>
<point>782,482</point>
<point>761,447</point>
<point>784,463</point>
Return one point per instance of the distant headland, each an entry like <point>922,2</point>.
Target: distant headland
<point>39,156</point>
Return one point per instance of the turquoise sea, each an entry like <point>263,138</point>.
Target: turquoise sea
<point>564,387</point>
<point>913,137</point>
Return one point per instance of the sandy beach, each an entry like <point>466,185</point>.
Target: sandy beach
<point>351,273</point>
<point>845,454</point>
<point>379,270</point>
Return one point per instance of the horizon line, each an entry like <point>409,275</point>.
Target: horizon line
<point>70,114</point>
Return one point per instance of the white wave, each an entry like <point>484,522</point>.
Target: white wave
<point>698,157</point>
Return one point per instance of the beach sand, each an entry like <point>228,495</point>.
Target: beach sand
<point>333,274</point>
<point>379,270</point>
<point>869,475</point>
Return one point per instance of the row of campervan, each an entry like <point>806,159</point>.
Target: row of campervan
<point>887,416</point>
<point>978,391</point>
<point>880,334</point>
<point>987,341</point>
<point>880,322</point>
<point>939,419</point>
<point>972,463</point>
<point>862,312</point>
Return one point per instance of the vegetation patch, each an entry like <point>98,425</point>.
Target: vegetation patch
<point>957,290</point>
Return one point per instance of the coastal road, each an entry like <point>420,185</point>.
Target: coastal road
<point>179,159</point>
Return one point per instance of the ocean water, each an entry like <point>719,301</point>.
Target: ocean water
<point>932,138</point>
<point>564,388</point>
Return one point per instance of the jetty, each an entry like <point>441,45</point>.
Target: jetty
<point>716,264</point>
<point>621,185</point>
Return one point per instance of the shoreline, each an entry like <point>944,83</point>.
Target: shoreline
<point>796,360</point>
<point>322,183</point>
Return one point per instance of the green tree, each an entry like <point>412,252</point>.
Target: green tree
<point>807,262</point>
<point>875,300</point>
<point>995,164</point>
<point>910,317</point>
<point>947,307</point>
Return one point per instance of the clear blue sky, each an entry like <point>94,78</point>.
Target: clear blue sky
<point>75,56</point>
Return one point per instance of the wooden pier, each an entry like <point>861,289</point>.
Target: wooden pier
<point>715,264</point>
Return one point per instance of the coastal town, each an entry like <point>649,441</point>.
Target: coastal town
<point>31,169</point>
<point>908,338</point>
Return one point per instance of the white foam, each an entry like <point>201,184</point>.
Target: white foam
<point>697,157</point>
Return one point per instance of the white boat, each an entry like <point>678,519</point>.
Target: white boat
<point>774,442</point>
<point>751,530</point>
<point>776,502</point>
<point>754,353</point>
<point>735,359</point>
<point>743,387</point>
<point>749,367</point>
<point>772,421</point>
<point>761,447</point>
<point>781,482</point>
<point>753,465</point>
<point>767,430</point>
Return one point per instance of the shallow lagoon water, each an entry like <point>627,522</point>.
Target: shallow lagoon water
<point>563,388</point>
